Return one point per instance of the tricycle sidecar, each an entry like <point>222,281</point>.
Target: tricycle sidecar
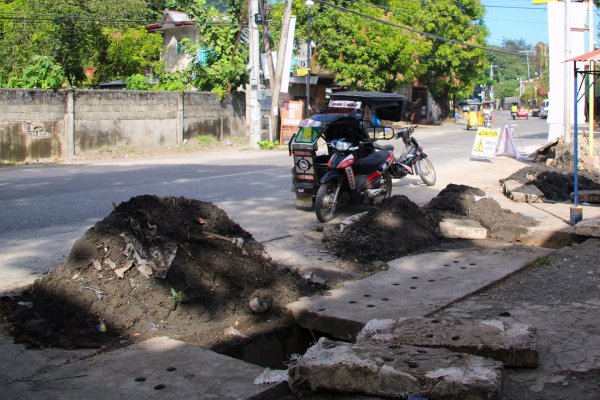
<point>354,116</point>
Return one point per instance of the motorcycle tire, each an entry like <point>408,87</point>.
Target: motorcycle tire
<point>325,202</point>
<point>426,171</point>
<point>387,184</point>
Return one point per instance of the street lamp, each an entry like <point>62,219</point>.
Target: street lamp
<point>309,4</point>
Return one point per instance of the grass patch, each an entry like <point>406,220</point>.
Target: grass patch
<point>541,261</point>
<point>268,145</point>
<point>206,140</point>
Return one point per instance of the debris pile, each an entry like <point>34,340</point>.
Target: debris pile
<point>156,267</point>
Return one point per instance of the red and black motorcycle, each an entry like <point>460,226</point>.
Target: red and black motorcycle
<point>358,173</point>
<point>413,160</point>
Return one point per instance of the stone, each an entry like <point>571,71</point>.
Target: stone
<point>588,227</point>
<point>522,193</point>
<point>395,372</point>
<point>514,344</point>
<point>461,228</point>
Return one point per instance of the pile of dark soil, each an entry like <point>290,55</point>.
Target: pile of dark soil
<point>557,185</point>
<point>156,267</point>
<point>399,227</point>
<point>468,202</point>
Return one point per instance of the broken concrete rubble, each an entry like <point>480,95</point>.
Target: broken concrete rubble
<point>588,227</point>
<point>395,372</point>
<point>514,344</point>
<point>523,193</point>
<point>462,228</point>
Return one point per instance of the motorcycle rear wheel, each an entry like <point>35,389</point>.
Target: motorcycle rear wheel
<point>325,202</point>
<point>426,171</point>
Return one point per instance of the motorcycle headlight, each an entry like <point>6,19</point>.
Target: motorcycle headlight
<point>342,145</point>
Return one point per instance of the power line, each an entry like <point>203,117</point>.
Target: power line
<point>409,29</point>
<point>57,17</point>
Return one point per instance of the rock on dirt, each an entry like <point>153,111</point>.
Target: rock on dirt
<point>399,226</point>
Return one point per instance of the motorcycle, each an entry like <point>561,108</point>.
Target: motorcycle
<point>413,160</point>
<point>356,174</point>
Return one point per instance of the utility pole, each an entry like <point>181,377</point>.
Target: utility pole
<point>492,85</point>
<point>254,117</point>
<point>592,91</point>
<point>276,79</point>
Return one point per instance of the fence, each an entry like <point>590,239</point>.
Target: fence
<point>44,124</point>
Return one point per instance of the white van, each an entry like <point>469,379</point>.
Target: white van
<point>544,110</point>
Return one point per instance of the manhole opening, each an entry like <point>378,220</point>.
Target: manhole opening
<point>274,349</point>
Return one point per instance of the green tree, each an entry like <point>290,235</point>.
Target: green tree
<point>453,68</point>
<point>225,55</point>
<point>127,52</point>
<point>69,31</point>
<point>43,73</point>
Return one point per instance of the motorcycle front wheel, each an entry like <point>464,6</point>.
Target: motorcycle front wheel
<point>326,201</point>
<point>426,171</point>
<point>387,184</point>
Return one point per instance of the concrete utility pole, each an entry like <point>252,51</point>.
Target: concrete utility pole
<point>492,85</point>
<point>254,116</point>
<point>276,79</point>
<point>592,91</point>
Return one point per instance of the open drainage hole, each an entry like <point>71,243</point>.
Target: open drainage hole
<point>171,369</point>
<point>473,264</point>
<point>415,277</point>
<point>463,267</point>
<point>455,337</point>
<point>352,302</point>
<point>159,387</point>
<point>413,287</point>
<point>140,379</point>
<point>366,295</point>
<point>370,305</point>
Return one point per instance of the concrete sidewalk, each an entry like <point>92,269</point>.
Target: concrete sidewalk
<point>192,372</point>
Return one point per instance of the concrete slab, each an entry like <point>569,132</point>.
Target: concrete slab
<point>462,228</point>
<point>398,372</point>
<point>159,368</point>
<point>512,343</point>
<point>413,286</point>
<point>588,227</point>
<point>519,192</point>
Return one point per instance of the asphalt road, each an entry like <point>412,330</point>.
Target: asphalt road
<point>45,208</point>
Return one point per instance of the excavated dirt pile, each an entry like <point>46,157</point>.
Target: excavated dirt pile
<point>399,227</point>
<point>556,184</point>
<point>157,267</point>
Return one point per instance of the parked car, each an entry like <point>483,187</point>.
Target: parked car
<point>523,113</point>
<point>544,109</point>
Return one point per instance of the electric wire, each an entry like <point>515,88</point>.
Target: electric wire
<point>416,31</point>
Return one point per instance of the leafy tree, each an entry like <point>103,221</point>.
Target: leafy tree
<point>43,73</point>
<point>224,68</point>
<point>69,31</point>
<point>127,52</point>
<point>369,55</point>
<point>453,68</point>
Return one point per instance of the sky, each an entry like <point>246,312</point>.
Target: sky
<point>516,19</point>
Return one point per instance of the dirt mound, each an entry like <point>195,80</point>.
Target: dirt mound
<point>467,202</point>
<point>399,227</point>
<point>396,228</point>
<point>556,185</point>
<point>156,266</point>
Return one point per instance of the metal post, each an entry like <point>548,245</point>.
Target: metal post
<point>592,91</point>
<point>309,4</point>
<point>567,49</point>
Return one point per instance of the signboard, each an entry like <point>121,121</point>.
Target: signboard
<point>486,142</point>
<point>344,104</point>
<point>291,116</point>
<point>506,144</point>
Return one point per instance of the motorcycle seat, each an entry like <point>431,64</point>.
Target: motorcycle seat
<point>378,146</point>
<point>373,159</point>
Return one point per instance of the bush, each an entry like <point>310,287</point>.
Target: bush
<point>268,145</point>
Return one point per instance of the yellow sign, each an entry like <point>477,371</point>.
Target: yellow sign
<point>486,142</point>
<point>542,1</point>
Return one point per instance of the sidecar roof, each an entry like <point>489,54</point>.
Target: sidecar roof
<point>388,106</point>
<point>370,98</point>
